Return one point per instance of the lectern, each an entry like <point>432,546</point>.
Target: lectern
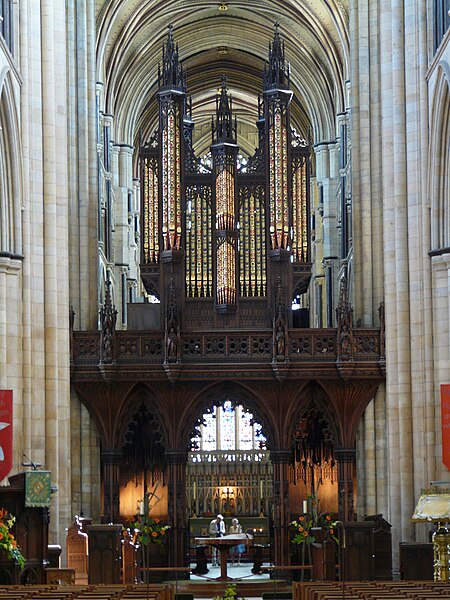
<point>434,507</point>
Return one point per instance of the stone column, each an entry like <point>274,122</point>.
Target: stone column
<point>83,162</point>
<point>110,462</point>
<point>281,459</point>
<point>346,460</point>
<point>176,475</point>
<point>54,362</point>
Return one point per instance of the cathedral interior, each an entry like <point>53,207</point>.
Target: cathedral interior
<point>224,261</point>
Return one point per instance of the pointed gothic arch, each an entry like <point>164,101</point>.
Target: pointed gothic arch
<point>10,172</point>
<point>142,447</point>
<point>439,162</point>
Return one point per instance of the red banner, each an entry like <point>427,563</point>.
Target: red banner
<point>445,423</point>
<point>6,432</point>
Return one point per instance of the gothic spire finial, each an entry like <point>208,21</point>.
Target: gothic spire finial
<point>172,76</point>
<point>276,73</point>
<point>224,129</point>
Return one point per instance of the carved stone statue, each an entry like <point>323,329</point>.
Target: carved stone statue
<point>280,340</point>
<point>172,343</point>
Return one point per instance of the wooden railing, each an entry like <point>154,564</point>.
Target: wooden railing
<point>304,346</point>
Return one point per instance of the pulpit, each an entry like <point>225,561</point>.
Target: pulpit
<point>21,499</point>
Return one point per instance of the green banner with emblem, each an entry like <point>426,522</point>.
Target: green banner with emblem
<point>37,489</point>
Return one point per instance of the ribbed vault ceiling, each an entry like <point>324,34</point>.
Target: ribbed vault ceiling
<point>222,38</point>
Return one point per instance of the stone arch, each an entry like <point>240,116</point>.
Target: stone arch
<point>10,170</point>
<point>439,161</point>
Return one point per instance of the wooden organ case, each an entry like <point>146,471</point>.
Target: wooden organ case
<point>227,239</point>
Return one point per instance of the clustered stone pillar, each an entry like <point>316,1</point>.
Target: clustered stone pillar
<point>281,460</point>
<point>110,462</point>
<point>176,475</point>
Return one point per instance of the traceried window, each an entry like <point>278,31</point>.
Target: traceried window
<point>441,20</point>
<point>228,427</point>
<point>6,22</point>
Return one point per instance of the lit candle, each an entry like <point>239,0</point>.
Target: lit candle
<point>305,506</point>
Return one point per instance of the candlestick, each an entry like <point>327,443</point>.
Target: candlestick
<point>305,506</point>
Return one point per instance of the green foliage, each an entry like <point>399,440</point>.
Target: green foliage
<point>230,593</point>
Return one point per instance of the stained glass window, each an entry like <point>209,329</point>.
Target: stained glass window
<point>229,427</point>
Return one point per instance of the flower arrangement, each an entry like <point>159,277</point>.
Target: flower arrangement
<point>151,531</point>
<point>303,528</point>
<point>7,541</point>
<point>329,525</point>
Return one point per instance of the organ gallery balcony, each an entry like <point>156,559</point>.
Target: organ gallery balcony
<point>309,353</point>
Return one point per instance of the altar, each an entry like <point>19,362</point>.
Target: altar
<point>223,545</point>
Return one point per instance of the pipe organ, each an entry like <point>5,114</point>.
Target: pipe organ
<point>225,233</point>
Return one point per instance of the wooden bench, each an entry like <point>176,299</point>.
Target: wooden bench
<point>60,576</point>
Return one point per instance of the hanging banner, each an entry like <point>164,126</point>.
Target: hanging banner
<point>6,432</point>
<point>37,488</point>
<point>445,423</point>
